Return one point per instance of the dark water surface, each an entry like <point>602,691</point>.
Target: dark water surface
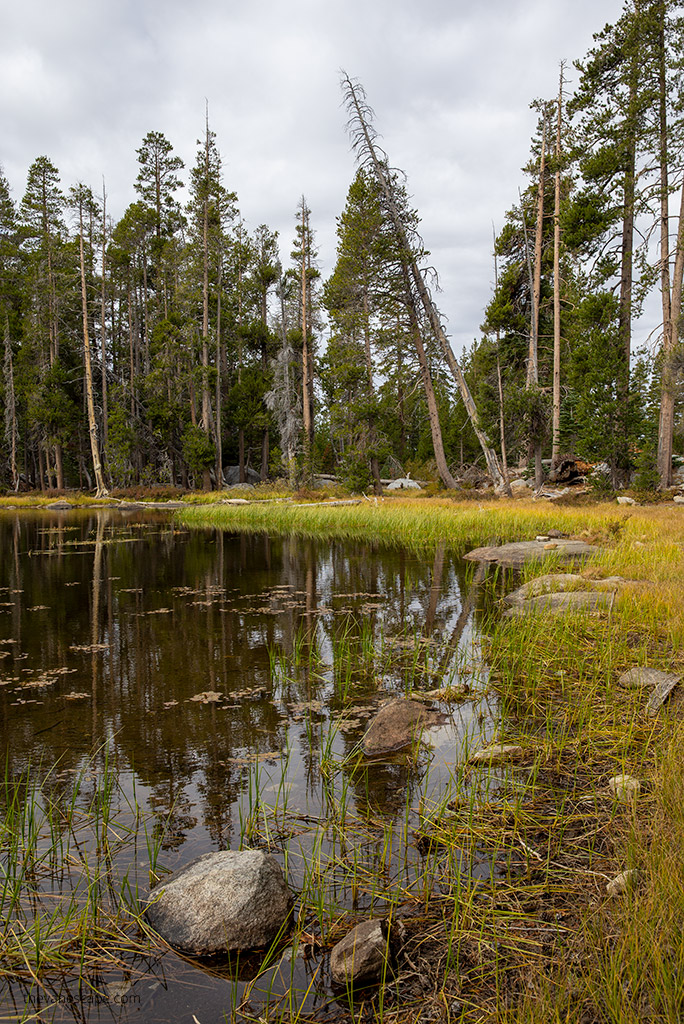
<point>228,679</point>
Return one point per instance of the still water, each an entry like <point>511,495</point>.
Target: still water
<point>227,679</point>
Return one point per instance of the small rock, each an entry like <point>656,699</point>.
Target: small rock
<point>624,788</point>
<point>643,676</point>
<point>550,546</point>
<point>395,726</point>
<point>622,882</point>
<point>624,500</point>
<point>542,538</point>
<point>363,954</point>
<point>59,506</point>
<point>495,752</point>
<point>222,902</point>
<point>678,499</point>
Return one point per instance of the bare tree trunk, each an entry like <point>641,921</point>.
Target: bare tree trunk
<point>206,400</point>
<point>532,376</point>
<point>671,343</point>
<point>555,429</point>
<point>101,490</point>
<point>59,467</point>
<point>502,424</point>
<point>103,311</point>
<point>219,361</point>
<point>671,293</point>
<point>131,350</point>
<point>241,456</point>
<point>10,409</point>
<point>306,397</point>
<point>533,352</point>
<point>41,467</point>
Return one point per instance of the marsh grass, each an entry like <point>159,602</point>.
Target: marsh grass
<point>65,908</point>
<point>414,523</point>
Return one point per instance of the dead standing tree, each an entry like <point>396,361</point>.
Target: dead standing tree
<point>364,143</point>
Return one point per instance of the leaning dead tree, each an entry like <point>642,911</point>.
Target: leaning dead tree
<point>364,143</point>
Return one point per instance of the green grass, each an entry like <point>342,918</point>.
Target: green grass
<point>415,523</point>
<point>64,908</point>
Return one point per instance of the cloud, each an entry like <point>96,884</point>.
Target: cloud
<point>450,82</point>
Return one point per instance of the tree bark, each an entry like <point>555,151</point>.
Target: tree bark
<point>671,343</point>
<point>103,319</point>
<point>671,294</point>
<point>101,490</point>
<point>555,427</point>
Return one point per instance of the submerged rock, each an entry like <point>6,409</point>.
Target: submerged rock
<point>395,726</point>
<point>519,553</point>
<point>364,953</point>
<point>221,903</point>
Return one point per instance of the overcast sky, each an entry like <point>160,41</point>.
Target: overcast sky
<point>82,81</point>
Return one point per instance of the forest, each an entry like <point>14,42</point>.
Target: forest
<point>177,346</point>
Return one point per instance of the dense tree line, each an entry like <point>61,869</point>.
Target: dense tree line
<point>174,342</point>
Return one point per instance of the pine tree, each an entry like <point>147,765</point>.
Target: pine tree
<point>210,211</point>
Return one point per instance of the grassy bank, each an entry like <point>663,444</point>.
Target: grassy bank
<point>420,523</point>
<point>540,938</point>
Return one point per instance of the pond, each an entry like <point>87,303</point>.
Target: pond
<point>207,690</point>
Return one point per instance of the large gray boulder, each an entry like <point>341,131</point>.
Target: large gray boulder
<point>395,726</point>
<point>360,957</point>
<point>221,903</point>
<point>517,554</point>
<point>231,475</point>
